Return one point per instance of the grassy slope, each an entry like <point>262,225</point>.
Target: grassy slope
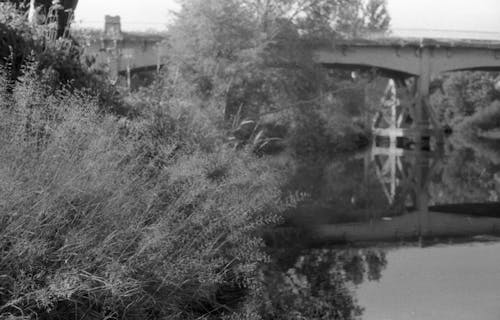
<point>105,217</point>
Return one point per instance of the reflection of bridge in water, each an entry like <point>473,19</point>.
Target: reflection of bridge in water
<point>404,176</point>
<point>408,136</point>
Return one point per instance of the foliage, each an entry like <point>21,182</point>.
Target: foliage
<point>468,175</point>
<point>345,18</point>
<point>252,57</point>
<point>133,219</point>
<point>470,168</point>
<point>466,178</point>
<point>485,119</point>
<point>156,216</point>
<point>318,285</point>
<point>465,93</point>
<point>57,15</point>
<point>58,62</point>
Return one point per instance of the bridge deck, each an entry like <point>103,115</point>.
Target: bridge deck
<point>422,42</point>
<point>410,56</point>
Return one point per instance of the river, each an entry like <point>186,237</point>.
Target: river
<point>392,234</point>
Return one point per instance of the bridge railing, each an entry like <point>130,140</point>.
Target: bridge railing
<point>442,33</point>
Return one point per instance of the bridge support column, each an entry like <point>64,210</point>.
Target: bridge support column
<point>421,121</point>
<point>425,122</point>
<point>158,58</point>
<point>112,43</point>
<point>113,63</point>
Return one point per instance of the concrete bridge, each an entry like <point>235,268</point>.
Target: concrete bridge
<point>394,57</point>
<point>411,57</point>
<point>118,52</point>
<point>412,63</point>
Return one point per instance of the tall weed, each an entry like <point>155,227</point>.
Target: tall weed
<point>132,219</point>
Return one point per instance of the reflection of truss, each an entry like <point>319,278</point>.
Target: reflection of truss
<point>405,175</point>
<point>405,165</point>
<point>390,117</point>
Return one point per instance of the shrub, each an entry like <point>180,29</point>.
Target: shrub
<point>318,284</point>
<point>131,219</point>
<point>485,119</point>
<point>58,63</point>
<point>464,94</point>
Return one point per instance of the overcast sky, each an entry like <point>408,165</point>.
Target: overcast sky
<point>457,15</point>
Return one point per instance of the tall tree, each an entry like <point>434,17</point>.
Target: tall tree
<point>61,10</point>
<point>251,52</point>
<point>344,18</point>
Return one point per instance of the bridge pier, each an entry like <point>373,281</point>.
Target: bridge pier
<point>421,121</point>
<point>426,120</point>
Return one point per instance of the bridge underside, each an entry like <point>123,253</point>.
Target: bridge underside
<point>411,59</point>
<point>400,60</point>
<point>381,71</point>
<point>134,70</point>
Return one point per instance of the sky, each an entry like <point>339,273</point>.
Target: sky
<point>135,15</point>
<point>458,18</point>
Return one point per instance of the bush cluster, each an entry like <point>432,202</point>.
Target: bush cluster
<point>485,119</point>
<point>59,63</point>
<point>147,217</point>
<point>135,219</point>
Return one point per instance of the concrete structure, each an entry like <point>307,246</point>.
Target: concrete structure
<point>119,52</point>
<point>407,59</point>
<point>411,57</point>
<point>410,62</point>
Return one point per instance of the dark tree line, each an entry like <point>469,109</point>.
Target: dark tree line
<point>60,10</point>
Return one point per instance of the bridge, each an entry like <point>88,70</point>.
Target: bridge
<point>118,52</point>
<point>411,57</point>
<point>411,63</point>
<point>403,169</point>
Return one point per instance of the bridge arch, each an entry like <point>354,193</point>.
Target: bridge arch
<point>422,59</point>
<point>411,57</point>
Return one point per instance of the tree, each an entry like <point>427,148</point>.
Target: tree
<point>251,59</point>
<point>318,284</point>
<point>376,17</point>
<point>59,10</point>
<point>345,18</point>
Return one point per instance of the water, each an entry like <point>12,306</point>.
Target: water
<point>387,234</point>
<point>439,282</point>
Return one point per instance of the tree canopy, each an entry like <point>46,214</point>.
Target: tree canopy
<point>253,56</point>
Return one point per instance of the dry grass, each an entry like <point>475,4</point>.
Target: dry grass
<point>136,219</point>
